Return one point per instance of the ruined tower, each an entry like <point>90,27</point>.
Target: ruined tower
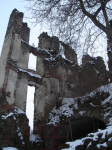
<point>14,57</point>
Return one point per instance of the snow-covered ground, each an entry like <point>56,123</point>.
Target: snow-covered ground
<point>9,148</point>
<point>67,111</point>
<point>92,136</point>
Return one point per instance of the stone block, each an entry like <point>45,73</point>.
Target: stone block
<point>87,141</point>
<point>79,147</point>
<point>107,136</point>
<point>101,140</point>
<point>109,144</point>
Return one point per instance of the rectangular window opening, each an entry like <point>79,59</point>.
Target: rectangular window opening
<point>30,106</point>
<point>61,50</point>
<point>32,62</point>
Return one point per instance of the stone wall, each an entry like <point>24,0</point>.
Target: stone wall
<point>69,53</point>
<point>55,77</point>
<point>14,126</point>
<point>48,43</point>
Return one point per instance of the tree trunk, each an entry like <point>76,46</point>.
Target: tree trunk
<point>109,51</point>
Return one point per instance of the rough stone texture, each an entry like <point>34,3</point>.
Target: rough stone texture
<point>48,43</point>
<point>25,32</point>
<point>59,77</point>
<point>14,129</point>
<point>93,145</point>
<point>55,77</point>
<point>97,62</point>
<point>50,130</point>
<point>69,52</point>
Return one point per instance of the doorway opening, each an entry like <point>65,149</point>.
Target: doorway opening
<point>30,106</point>
<point>83,126</point>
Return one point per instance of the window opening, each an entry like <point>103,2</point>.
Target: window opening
<point>61,50</point>
<point>32,62</point>
<point>30,106</point>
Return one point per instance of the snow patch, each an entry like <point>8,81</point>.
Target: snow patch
<point>93,136</point>
<point>64,110</point>
<point>18,111</point>
<point>81,112</point>
<point>5,117</point>
<point>99,145</point>
<point>9,148</point>
<point>34,138</point>
<point>30,73</point>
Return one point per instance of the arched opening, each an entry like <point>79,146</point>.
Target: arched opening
<point>83,126</point>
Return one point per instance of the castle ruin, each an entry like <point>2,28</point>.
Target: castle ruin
<point>55,77</point>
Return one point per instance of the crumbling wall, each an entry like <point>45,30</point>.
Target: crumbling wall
<point>69,53</point>
<point>55,77</point>
<point>48,43</point>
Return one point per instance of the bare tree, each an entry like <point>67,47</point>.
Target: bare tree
<point>79,22</point>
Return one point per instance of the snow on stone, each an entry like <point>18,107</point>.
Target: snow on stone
<point>67,111</point>
<point>50,59</point>
<point>89,144</point>
<point>31,74</point>
<point>107,131</point>
<point>34,138</point>
<point>19,133</point>
<point>110,139</point>
<point>68,101</point>
<point>76,105</point>
<point>44,50</point>
<point>93,105</point>
<point>5,117</point>
<point>106,88</point>
<point>110,121</point>
<point>107,114</point>
<point>81,112</point>
<point>72,85</point>
<point>53,119</point>
<point>104,145</point>
<point>64,110</point>
<point>97,71</point>
<point>14,117</point>
<point>18,111</point>
<point>107,100</point>
<point>25,42</point>
<point>93,136</point>
<point>9,148</point>
<point>74,144</point>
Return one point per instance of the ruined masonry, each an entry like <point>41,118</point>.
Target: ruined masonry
<point>55,77</point>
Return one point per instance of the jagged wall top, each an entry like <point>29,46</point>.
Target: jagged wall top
<point>16,23</point>
<point>49,43</point>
